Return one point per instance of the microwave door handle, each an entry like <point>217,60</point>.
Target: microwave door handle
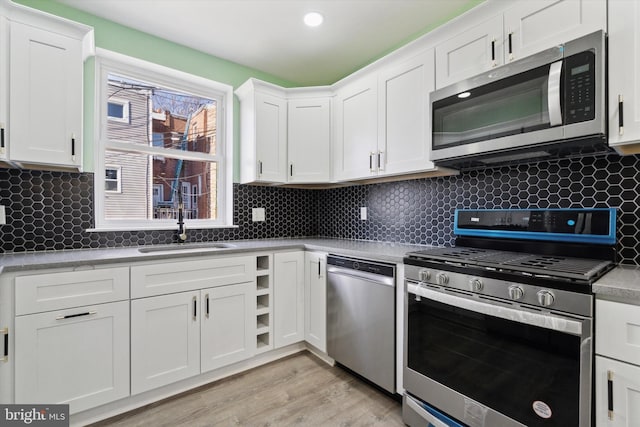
<point>553,98</point>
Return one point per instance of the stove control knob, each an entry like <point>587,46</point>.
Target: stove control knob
<point>424,275</point>
<point>515,292</point>
<point>545,298</point>
<point>442,278</point>
<point>475,284</point>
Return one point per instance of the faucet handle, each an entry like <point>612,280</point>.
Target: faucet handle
<point>183,236</point>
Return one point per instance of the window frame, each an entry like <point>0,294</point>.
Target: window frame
<point>108,62</point>
<point>118,179</point>
<point>125,110</point>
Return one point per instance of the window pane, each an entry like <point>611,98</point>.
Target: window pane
<point>111,185</point>
<point>149,188</point>
<point>161,117</point>
<point>111,174</point>
<point>115,110</point>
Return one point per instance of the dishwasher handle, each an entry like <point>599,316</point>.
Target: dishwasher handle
<point>362,275</point>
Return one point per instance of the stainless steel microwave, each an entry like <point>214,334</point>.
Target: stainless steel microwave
<point>548,105</point>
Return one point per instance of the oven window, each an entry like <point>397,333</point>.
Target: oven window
<point>510,106</point>
<point>505,365</point>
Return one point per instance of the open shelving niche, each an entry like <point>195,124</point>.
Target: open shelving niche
<point>264,299</point>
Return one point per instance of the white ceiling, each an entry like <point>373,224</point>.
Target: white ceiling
<point>269,35</point>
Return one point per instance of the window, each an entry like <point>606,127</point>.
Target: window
<point>112,181</point>
<point>176,141</point>
<point>118,110</point>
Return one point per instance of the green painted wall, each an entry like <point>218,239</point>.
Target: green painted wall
<point>121,39</point>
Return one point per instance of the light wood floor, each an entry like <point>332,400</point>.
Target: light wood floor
<point>299,390</point>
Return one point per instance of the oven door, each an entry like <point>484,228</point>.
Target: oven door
<point>489,363</point>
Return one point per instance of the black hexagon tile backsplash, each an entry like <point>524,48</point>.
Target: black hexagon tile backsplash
<point>52,210</point>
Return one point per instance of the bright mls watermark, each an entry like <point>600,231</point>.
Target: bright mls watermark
<point>34,415</point>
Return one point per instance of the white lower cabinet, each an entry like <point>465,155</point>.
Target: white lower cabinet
<point>618,405</point>
<point>77,356</point>
<point>180,335</point>
<point>288,298</point>
<point>228,326</point>
<point>315,300</point>
<point>165,340</point>
<point>617,376</point>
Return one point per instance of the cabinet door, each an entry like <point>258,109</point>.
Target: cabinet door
<point>4,85</point>
<point>78,356</point>
<point>471,52</point>
<point>271,138</point>
<point>309,140</point>
<point>533,26</point>
<point>165,340</point>
<point>404,123</point>
<point>46,97</point>
<point>624,72</point>
<point>288,293</point>
<point>228,325</point>
<point>618,330</point>
<point>356,133</point>
<point>624,397</point>
<point>315,300</point>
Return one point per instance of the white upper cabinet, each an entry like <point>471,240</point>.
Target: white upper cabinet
<point>283,139</point>
<point>624,75</point>
<point>356,130</point>
<point>45,57</point>
<point>309,140</point>
<point>525,28</point>
<point>263,133</point>
<point>404,125</point>
<point>533,26</point>
<point>4,86</point>
<point>469,52</point>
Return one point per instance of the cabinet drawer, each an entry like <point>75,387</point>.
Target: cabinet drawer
<point>36,293</point>
<point>618,330</point>
<point>171,277</point>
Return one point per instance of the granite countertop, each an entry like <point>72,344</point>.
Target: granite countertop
<point>622,283</point>
<point>378,251</point>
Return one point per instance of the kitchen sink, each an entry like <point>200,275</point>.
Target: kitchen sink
<point>189,247</point>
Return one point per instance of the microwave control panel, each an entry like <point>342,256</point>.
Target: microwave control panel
<point>580,88</point>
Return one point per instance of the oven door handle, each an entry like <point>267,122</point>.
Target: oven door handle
<point>546,321</point>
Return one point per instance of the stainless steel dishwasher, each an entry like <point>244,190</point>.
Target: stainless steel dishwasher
<point>361,318</point>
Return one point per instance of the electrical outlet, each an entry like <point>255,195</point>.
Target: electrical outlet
<point>257,214</point>
<point>363,213</point>
<point>3,215</point>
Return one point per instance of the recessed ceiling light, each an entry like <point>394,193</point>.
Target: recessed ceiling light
<point>313,19</point>
<point>464,95</point>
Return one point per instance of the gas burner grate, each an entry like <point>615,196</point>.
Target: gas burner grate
<point>532,264</point>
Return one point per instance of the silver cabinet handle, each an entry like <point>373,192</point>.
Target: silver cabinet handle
<point>610,394</point>
<point>381,160</point>
<point>510,46</point>
<point>71,316</point>
<point>493,53</point>
<point>5,352</point>
<point>553,100</point>
<point>620,115</point>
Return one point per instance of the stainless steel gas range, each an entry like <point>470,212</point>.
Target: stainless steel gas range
<point>498,329</point>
